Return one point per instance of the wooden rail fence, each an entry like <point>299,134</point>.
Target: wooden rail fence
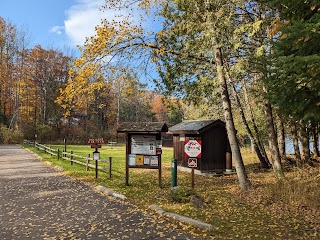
<point>106,165</point>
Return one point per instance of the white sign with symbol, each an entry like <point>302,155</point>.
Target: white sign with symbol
<point>192,148</point>
<point>192,162</point>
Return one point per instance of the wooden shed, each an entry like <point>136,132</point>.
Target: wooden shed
<point>216,152</point>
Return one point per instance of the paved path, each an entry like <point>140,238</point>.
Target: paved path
<point>38,203</point>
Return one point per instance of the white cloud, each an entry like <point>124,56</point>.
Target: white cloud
<point>82,18</point>
<point>57,30</point>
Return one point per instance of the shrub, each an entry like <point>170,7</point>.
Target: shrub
<point>28,131</point>
<point>182,194</point>
<point>44,133</point>
<point>10,136</point>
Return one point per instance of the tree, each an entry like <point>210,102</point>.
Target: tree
<point>47,72</point>
<point>296,59</point>
<point>193,29</point>
<point>9,83</point>
<point>159,109</point>
<point>295,62</point>
<point>252,57</point>
<point>29,79</point>
<point>255,142</point>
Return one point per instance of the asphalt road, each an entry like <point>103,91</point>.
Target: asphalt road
<point>37,202</point>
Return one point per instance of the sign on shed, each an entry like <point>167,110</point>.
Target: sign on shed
<point>192,148</point>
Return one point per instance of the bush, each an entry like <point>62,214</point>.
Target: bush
<point>44,133</point>
<point>28,131</point>
<point>182,194</point>
<point>10,136</point>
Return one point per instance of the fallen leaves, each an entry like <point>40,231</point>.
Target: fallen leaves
<point>250,215</point>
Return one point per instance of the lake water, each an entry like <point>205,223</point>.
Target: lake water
<point>290,149</point>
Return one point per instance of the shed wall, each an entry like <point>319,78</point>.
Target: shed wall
<point>214,147</point>
<point>178,148</point>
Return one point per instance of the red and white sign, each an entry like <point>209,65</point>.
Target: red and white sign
<point>192,148</point>
<point>192,162</point>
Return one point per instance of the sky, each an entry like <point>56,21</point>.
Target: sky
<point>63,24</point>
<point>54,23</point>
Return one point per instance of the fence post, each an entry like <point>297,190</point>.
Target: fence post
<point>58,153</point>
<point>65,146</point>
<point>87,164</point>
<point>110,166</point>
<point>50,149</point>
<point>71,157</point>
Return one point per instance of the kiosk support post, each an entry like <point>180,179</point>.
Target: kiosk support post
<point>128,147</point>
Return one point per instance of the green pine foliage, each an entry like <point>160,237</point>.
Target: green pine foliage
<point>295,71</point>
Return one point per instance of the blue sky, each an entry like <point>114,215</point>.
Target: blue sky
<point>61,24</point>
<point>54,23</point>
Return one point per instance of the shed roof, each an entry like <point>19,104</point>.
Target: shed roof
<point>194,126</point>
<point>140,127</point>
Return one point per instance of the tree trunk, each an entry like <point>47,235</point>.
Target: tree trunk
<point>296,145</point>
<point>255,128</point>
<point>315,136</point>
<point>264,162</point>
<point>231,131</point>
<point>305,144</point>
<point>273,145</point>
<point>281,140</point>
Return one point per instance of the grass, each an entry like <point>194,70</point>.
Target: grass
<point>271,210</point>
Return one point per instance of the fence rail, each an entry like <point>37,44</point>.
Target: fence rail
<point>74,158</point>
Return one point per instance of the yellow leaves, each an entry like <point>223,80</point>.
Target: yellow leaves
<point>161,50</point>
<point>237,45</point>
<point>260,51</point>
<point>219,13</point>
<point>255,28</point>
<point>112,69</point>
<point>86,79</point>
<point>145,4</point>
<point>275,27</point>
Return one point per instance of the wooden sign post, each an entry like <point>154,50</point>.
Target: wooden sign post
<point>192,148</point>
<point>192,163</point>
<point>96,144</point>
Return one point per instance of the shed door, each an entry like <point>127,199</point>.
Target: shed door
<point>214,143</point>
